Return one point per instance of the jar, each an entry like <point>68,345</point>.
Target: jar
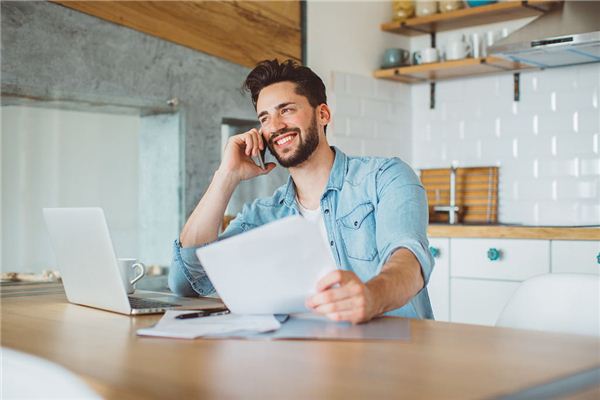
<point>402,9</point>
<point>450,5</point>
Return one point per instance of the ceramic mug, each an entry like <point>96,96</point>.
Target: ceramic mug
<point>428,55</point>
<point>395,58</point>
<point>424,8</point>
<point>457,50</point>
<point>131,272</point>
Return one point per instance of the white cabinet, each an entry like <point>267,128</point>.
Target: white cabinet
<point>439,281</point>
<point>478,301</point>
<point>474,278</point>
<point>508,259</point>
<point>576,257</point>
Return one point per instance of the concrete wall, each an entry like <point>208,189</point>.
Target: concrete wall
<point>51,52</point>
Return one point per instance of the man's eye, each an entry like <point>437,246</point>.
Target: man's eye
<point>286,110</point>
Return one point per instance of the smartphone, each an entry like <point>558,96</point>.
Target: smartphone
<point>261,157</point>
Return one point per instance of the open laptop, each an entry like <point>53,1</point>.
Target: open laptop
<point>90,271</point>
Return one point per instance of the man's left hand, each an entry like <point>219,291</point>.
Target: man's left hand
<point>342,296</point>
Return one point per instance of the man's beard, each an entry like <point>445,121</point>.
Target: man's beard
<point>306,146</point>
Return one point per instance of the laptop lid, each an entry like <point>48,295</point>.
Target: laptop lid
<point>86,258</point>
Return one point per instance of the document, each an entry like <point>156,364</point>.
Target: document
<point>221,325</point>
<point>271,269</point>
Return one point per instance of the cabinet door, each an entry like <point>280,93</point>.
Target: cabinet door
<point>477,301</point>
<point>509,259</point>
<point>576,256</point>
<point>439,281</point>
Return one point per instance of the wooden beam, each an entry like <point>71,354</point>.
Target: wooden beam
<point>243,32</point>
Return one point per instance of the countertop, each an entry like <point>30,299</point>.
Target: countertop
<point>514,232</point>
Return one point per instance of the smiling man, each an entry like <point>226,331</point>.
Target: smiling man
<point>372,211</point>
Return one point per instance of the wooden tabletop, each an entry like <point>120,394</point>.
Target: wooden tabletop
<point>440,360</point>
<point>513,232</point>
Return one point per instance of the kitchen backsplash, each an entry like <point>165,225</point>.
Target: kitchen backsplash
<point>546,145</point>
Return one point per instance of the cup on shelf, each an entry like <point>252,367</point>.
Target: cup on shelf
<point>426,7</point>
<point>457,50</point>
<point>426,56</point>
<point>478,3</point>
<point>395,58</point>
<point>476,41</point>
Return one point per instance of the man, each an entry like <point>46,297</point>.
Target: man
<point>372,211</point>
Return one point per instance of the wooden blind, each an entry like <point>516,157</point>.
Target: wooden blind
<point>476,193</point>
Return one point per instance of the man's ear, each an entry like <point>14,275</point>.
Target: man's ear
<point>324,114</point>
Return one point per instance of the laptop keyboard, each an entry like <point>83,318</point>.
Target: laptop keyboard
<point>137,302</point>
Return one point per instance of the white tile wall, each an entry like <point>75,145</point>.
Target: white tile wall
<point>546,144</point>
<point>370,117</point>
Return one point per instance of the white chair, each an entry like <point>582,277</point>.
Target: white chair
<point>565,303</point>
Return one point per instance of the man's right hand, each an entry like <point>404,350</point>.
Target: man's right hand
<point>237,159</point>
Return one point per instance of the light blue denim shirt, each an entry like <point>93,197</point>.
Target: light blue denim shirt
<point>371,207</point>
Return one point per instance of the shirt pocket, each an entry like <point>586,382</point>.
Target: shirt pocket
<point>358,232</point>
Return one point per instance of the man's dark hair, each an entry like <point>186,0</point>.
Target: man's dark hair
<point>268,72</point>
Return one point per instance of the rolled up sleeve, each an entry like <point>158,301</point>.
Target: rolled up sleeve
<point>402,215</point>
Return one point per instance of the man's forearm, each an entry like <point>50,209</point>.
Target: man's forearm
<point>203,225</point>
<point>399,281</point>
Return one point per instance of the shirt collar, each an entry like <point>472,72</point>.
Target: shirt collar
<point>335,182</point>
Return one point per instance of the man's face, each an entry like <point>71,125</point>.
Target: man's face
<point>288,123</point>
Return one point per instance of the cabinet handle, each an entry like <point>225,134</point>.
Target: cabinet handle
<point>493,254</point>
<point>598,258</point>
<point>435,252</point>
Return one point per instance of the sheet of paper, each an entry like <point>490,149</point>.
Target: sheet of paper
<point>220,325</point>
<point>268,270</point>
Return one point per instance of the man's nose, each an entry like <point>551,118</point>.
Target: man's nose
<point>276,124</point>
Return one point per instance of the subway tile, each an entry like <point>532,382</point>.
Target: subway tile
<point>361,128</point>
<point>589,213</point>
<point>588,75</point>
<point>557,168</point>
<point>388,130</point>
<point>400,112</point>
<point>573,100</point>
<point>378,148</point>
<point>392,91</point>
<point>530,146</point>
<point>577,188</point>
<point>535,102</point>
<point>516,126</point>
<point>559,122</point>
<point>536,189</point>
<point>347,106</point>
<point>449,91</point>
<point>574,144</point>
<point>521,212</point>
<point>589,166</point>
<point>558,213</point>
<point>357,85</point>
<point>376,109</point>
<point>338,126</point>
<point>350,146</point>
<point>554,79</point>
<point>497,148</point>
<point>588,120</point>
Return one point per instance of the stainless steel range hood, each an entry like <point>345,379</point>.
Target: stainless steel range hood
<point>568,34</point>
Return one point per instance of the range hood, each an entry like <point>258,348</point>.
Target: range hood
<point>568,34</point>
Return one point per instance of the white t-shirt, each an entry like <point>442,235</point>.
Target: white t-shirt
<point>315,216</point>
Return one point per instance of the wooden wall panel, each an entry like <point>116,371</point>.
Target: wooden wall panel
<point>243,32</point>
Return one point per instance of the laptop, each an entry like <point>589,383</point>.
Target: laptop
<point>89,268</point>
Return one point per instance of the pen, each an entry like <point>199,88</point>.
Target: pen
<point>205,313</point>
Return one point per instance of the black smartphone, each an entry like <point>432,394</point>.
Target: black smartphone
<point>261,157</point>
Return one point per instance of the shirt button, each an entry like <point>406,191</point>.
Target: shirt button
<point>355,223</point>
<point>331,243</point>
<point>326,211</point>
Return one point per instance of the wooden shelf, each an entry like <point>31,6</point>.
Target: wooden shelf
<point>450,69</point>
<point>467,17</point>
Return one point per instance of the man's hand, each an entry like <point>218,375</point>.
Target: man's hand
<point>237,161</point>
<point>342,296</point>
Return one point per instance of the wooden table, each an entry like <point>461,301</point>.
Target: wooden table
<point>441,360</point>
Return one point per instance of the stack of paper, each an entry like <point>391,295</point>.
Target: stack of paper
<point>220,325</point>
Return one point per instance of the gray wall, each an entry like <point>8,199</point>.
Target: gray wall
<point>51,52</point>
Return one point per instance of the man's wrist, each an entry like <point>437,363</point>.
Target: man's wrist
<point>226,178</point>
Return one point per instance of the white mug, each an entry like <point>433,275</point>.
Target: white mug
<point>428,55</point>
<point>457,50</point>
<point>131,272</point>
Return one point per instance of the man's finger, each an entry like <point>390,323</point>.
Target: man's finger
<point>332,278</point>
<point>347,304</point>
<point>335,294</point>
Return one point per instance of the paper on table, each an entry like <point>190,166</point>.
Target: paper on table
<point>218,325</point>
<point>268,270</point>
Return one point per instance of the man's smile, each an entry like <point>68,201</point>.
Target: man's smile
<point>285,139</point>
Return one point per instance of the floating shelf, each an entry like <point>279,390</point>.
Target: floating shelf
<point>450,69</point>
<point>467,17</point>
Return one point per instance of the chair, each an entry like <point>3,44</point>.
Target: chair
<point>564,303</point>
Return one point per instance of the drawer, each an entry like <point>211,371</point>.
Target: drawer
<point>508,259</point>
<point>576,256</point>
<point>439,281</point>
<point>480,302</point>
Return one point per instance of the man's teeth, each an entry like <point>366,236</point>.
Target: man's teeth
<point>284,140</point>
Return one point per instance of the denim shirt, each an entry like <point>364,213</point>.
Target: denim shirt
<point>371,206</point>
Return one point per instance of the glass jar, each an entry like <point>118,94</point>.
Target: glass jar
<point>402,9</point>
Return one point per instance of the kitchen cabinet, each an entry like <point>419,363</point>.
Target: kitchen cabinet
<point>474,277</point>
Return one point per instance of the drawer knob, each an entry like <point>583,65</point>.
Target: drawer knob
<point>493,254</point>
<point>435,252</point>
<point>598,258</point>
